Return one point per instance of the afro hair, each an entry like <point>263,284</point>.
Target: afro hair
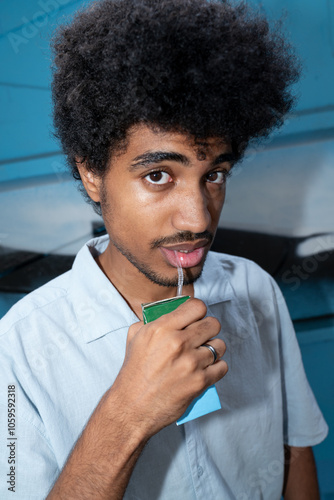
<point>208,68</point>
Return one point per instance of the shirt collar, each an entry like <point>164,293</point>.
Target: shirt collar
<point>99,307</point>
<point>213,285</point>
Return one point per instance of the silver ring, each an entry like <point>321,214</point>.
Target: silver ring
<point>213,350</point>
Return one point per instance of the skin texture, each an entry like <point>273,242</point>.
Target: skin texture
<point>300,482</point>
<point>137,212</point>
<point>144,209</point>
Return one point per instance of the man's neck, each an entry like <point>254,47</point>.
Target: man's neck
<point>134,286</point>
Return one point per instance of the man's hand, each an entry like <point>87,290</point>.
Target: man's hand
<point>166,367</point>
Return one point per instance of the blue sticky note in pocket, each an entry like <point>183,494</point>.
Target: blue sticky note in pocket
<point>205,403</point>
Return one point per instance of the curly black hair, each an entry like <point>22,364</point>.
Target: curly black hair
<point>208,68</point>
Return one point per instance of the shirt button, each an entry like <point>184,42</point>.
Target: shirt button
<point>200,471</point>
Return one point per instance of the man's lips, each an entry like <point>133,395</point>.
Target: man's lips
<point>188,254</point>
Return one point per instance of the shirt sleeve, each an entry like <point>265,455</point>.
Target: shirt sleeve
<point>304,424</point>
<point>27,463</point>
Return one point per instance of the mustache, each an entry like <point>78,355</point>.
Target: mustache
<point>182,237</point>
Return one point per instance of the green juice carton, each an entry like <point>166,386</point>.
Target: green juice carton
<point>206,402</point>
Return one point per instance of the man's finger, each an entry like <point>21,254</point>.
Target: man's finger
<point>133,330</point>
<point>187,313</point>
<point>211,352</point>
<point>202,331</point>
<point>216,372</point>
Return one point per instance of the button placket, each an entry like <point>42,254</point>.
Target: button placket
<point>197,461</point>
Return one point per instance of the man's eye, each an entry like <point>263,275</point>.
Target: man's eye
<point>217,177</point>
<point>158,177</point>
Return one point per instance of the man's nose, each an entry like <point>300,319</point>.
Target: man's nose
<point>190,211</point>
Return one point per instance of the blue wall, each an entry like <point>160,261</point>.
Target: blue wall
<point>25,86</point>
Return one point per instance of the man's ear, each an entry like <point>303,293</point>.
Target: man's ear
<point>90,181</point>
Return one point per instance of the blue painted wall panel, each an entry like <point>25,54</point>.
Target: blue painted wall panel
<point>27,128</point>
<point>36,167</point>
<point>318,358</point>
<point>310,27</point>
<point>15,16</point>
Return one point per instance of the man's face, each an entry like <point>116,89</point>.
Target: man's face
<point>161,201</point>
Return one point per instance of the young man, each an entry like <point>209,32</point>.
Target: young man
<point>154,103</point>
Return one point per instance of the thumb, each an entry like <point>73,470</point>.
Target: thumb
<point>133,330</point>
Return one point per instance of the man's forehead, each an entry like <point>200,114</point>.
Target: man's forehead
<point>144,137</point>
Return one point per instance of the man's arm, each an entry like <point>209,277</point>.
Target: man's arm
<point>300,478</point>
<point>164,369</point>
<point>104,456</point>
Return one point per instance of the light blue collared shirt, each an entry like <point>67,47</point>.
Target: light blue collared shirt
<point>63,345</point>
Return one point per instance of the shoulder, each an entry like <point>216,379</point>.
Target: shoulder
<point>33,335</point>
<point>240,272</point>
<point>55,299</point>
<point>232,276</point>
<point>252,288</point>
<point>48,300</point>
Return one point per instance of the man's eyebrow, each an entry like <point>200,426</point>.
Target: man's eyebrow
<point>151,157</point>
<point>224,158</point>
<point>154,157</point>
